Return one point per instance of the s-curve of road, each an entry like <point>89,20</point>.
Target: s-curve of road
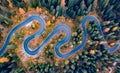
<point>56,29</point>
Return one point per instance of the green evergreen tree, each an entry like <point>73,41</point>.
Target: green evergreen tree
<point>89,8</point>
<point>51,8</point>
<point>18,3</point>
<point>33,3</point>
<point>39,4</point>
<point>3,19</point>
<point>63,10</point>
<point>53,12</point>
<point>92,7</point>
<point>1,37</point>
<point>4,3</point>
<point>70,3</point>
<point>4,10</point>
<point>88,2</point>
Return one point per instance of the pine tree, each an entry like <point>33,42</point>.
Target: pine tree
<point>89,8</point>
<point>70,3</point>
<point>43,2</point>
<point>5,20</point>
<point>82,8</point>
<point>21,4</point>
<point>78,12</point>
<point>51,8</point>
<point>14,2</point>
<point>82,4</point>
<point>33,3</point>
<point>71,12</point>
<point>1,37</point>
<point>39,4</point>
<point>5,10</point>
<point>88,2</point>
<point>111,2</point>
<point>5,3</point>
<point>63,10</point>
<point>108,9</point>
<point>73,15</point>
<point>100,4</point>
<point>57,11</point>
<point>53,12</point>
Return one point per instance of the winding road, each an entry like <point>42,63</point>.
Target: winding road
<point>51,35</point>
